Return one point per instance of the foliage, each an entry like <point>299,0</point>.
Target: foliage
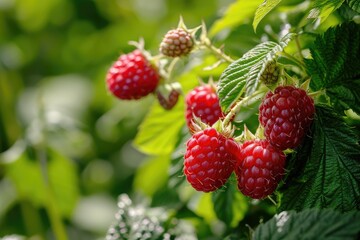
<point>68,148</point>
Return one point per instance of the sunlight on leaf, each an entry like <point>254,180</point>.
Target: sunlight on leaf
<point>236,14</point>
<point>158,132</point>
<point>156,169</point>
<point>263,10</point>
<point>323,8</point>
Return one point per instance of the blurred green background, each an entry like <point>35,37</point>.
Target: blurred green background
<point>66,144</point>
<point>55,110</point>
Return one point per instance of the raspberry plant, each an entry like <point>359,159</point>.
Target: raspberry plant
<point>247,118</point>
<point>300,154</point>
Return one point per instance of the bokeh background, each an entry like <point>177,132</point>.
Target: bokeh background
<point>67,146</point>
<point>55,109</point>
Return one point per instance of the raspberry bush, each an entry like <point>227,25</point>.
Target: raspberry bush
<point>239,121</point>
<point>301,104</point>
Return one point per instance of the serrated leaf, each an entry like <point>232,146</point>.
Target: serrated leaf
<point>354,4</point>
<point>325,171</point>
<point>336,63</point>
<point>263,10</point>
<point>244,74</point>
<point>310,224</point>
<point>158,133</point>
<point>229,204</point>
<point>323,8</point>
<point>346,95</point>
<point>235,15</point>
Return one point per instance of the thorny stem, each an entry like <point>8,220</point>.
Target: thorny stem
<point>171,68</point>
<point>218,52</point>
<point>272,200</point>
<point>235,109</point>
<point>297,41</point>
<point>292,58</point>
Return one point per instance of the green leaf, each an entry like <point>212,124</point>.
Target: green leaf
<point>346,95</point>
<point>235,15</point>
<point>323,8</point>
<point>244,74</point>
<point>354,4</point>
<point>156,169</point>
<point>264,9</point>
<point>310,224</point>
<point>325,171</point>
<point>176,174</point>
<point>336,64</point>
<point>229,204</point>
<point>158,133</point>
<point>25,173</point>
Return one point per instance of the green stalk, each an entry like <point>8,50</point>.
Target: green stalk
<point>50,204</point>
<point>246,100</point>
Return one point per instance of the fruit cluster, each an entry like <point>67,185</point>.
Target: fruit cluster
<point>212,153</point>
<point>259,164</point>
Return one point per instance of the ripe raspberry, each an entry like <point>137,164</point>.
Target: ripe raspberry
<point>208,164</point>
<point>259,168</point>
<point>170,101</point>
<point>271,73</point>
<point>286,116</point>
<point>203,102</point>
<point>132,76</point>
<point>177,42</point>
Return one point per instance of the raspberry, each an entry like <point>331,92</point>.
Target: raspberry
<point>170,101</point>
<point>177,42</point>
<point>286,116</point>
<point>259,168</point>
<point>203,102</point>
<point>208,164</point>
<point>270,74</point>
<point>132,76</point>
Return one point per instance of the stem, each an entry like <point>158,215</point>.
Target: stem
<point>294,59</point>
<point>171,68</point>
<point>50,205</point>
<point>217,51</point>
<point>32,220</point>
<point>297,41</point>
<point>272,200</point>
<point>235,109</point>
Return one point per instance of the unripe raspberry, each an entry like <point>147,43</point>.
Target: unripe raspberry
<point>259,168</point>
<point>177,42</point>
<point>270,74</point>
<point>286,116</point>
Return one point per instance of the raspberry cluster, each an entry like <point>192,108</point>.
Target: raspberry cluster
<point>259,164</point>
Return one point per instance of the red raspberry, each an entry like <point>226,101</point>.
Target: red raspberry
<point>286,116</point>
<point>259,168</point>
<point>176,43</point>
<point>203,102</point>
<point>132,76</point>
<point>208,164</point>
